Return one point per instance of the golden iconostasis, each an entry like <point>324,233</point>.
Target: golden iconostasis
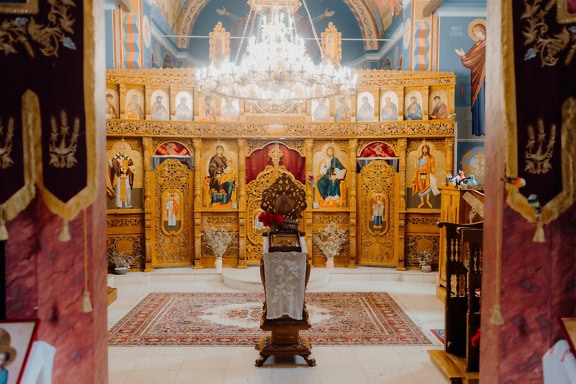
<point>172,180</point>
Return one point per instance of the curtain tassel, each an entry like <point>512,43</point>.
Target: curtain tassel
<point>65,234</point>
<point>86,302</point>
<point>496,317</point>
<point>539,234</point>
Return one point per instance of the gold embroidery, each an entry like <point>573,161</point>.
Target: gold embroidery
<point>538,152</point>
<point>6,149</point>
<point>25,31</point>
<point>539,39</point>
<point>63,143</point>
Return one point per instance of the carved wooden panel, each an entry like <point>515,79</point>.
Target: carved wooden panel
<point>378,215</point>
<point>422,235</point>
<point>172,228</point>
<point>125,234</point>
<point>254,190</point>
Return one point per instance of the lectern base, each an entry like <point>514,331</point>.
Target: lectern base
<point>284,345</point>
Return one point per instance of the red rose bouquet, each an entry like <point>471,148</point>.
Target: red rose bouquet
<point>475,341</point>
<point>270,219</point>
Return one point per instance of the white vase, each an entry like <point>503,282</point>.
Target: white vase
<point>330,263</point>
<point>218,264</point>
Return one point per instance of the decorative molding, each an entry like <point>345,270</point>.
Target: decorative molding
<point>179,129</point>
<point>186,77</point>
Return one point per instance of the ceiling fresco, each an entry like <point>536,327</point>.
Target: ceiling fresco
<point>366,25</point>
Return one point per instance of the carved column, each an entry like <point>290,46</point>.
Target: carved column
<point>242,204</point>
<point>148,214</point>
<point>449,141</point>
<point>122,88</point>
<point>352,148</point>
<point>197,142</point>
<point>401,205</point>
<point>308,143</point>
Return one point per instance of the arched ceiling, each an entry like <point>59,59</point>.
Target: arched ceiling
<point>365,24</point>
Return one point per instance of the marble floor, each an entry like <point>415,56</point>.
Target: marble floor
<point>413,291</point>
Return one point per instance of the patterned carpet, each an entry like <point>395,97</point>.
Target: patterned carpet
<point>338,318</point>
<point>439,333</point>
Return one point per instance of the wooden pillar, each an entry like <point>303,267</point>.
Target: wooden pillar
<point>197,142</point>
<point>449,141</point>
<point>401,205</point>
<point>148,206</point>
<point>308,223</point>
<point>242,204</point>
<point>352,148</point>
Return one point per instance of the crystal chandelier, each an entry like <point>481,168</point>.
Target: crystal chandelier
<point>276,69</point>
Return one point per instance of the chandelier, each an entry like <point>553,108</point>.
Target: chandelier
<point>275,68</point>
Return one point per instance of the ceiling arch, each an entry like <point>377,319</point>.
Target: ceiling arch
<point>363,23</point>
<point>366,23</point>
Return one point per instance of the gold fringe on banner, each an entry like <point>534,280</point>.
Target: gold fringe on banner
<point>20,200</point>
<point>93,115</point>
<point>3,230</point>
<point>563,200</point>
<point>69,210</point>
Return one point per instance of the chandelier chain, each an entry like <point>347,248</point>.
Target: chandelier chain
<point>249,21</point>
<point>316,39</point>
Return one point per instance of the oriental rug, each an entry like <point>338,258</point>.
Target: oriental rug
<point>439,333</point>
<point>233,319</point>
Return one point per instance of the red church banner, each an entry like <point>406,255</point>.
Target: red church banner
<point>16,156</point>
<point>44,100</point>
<point>541,134</point>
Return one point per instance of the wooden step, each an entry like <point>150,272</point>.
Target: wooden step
<point>441,293</point>
<point>112,295</point>
<point>453,367</point>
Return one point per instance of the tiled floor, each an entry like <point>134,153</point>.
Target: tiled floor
<point>413,291</point>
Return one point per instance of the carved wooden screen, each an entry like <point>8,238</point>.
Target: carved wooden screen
<point>172,237</point>
<point>378,215</point>
<point>254,190</point>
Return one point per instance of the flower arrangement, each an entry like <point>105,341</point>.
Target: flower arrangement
<point>270,219</point>
<point>119,259</point>
<point>217,240</point>
<point>425,259</point>
<point>330,239</point>
<point>475,340</point>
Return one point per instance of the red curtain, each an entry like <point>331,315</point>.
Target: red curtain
<point>294,162</point>
<point>378,149</point>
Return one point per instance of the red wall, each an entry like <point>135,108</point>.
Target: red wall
<point>45,273</point>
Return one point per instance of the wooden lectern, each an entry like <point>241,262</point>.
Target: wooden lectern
<point>285,271</point>
<point>285,323</point>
